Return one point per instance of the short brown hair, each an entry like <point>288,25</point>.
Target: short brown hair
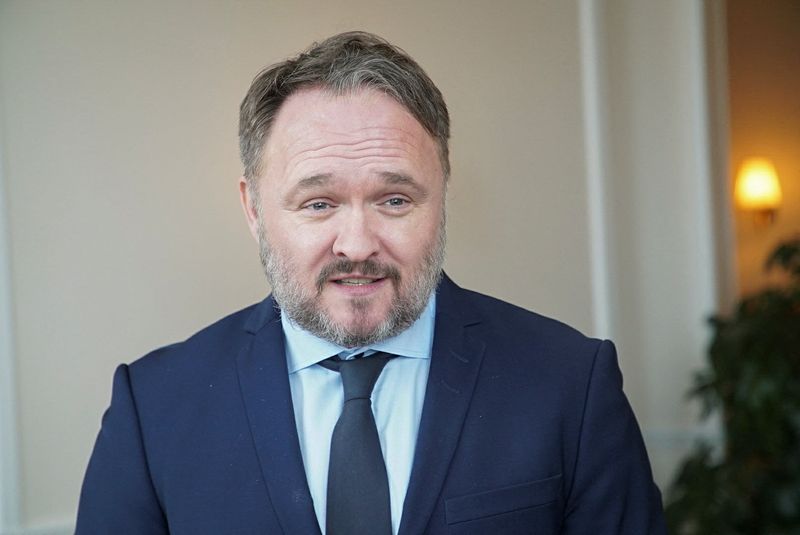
<point>342,63</point>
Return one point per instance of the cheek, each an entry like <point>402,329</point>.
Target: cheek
<point>409,244</point>
<point>309,246</point>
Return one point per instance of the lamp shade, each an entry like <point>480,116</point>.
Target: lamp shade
<point>757,186</point>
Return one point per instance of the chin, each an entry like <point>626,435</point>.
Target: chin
<point>361,326</point>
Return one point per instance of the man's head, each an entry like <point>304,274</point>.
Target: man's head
<point>346,162</point>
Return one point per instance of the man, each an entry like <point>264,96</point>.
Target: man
<point>369,394</point>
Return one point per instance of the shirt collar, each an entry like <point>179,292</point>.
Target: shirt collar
<point>304,349</point>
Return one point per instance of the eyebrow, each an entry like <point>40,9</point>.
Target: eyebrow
<point>307,183</point>
<point>389,177</point>
<point>312,181</point>
<point>401,179</point>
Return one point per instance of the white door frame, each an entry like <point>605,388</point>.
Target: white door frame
<point>9,466</point>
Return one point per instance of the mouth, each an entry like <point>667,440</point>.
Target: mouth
<point>358,285</point>
<point>356,281</point>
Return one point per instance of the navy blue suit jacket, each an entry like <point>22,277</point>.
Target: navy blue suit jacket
<point>525,429</point>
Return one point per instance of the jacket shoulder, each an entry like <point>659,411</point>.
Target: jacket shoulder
<point>220,339</point>
<point>516,323</point>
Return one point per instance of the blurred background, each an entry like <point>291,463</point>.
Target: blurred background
<point>595,150</point>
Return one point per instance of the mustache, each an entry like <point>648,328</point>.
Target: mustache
<point>370,268</point>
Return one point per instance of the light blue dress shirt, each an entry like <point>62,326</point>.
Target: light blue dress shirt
<point>396,402</point>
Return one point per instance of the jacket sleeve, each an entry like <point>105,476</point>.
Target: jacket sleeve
<point>118,494</point>
<point>612,490</point>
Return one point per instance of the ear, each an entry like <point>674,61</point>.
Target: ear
<point>249,207</point>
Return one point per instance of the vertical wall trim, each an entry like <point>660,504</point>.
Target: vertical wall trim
<point>9,475</point>
<point>700,122</point>
<point>718,129</point>
<point>595,166</point>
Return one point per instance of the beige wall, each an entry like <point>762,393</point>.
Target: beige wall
<point>120,168</point>
<point>764,69</point>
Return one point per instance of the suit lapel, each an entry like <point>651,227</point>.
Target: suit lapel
<point>455,362</point>
<point>264,382</point>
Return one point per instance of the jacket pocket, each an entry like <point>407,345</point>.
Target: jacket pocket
<point>503,500</point>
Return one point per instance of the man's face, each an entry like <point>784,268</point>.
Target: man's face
<point>349,215</point>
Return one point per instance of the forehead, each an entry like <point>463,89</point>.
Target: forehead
<point>315,126</point>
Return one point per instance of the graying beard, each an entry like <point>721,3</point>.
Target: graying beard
<point>303,311</point>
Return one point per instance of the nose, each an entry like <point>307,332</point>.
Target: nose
<point>357,237</point>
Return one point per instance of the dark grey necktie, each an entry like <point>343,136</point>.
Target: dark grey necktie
<point>358,488</point>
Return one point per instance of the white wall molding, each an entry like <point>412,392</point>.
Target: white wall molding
<point>60,528</point>
<point>669,446</point>
<point>649,201</point>
<point>594,145</point>
<point>9,471</point>
<point>716,61</point>
<point>682,439</point>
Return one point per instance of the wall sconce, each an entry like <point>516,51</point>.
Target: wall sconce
<point>758,190</point>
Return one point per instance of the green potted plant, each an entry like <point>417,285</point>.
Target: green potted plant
<point>749,483</point>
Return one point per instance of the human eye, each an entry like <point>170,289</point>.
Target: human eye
<point>317,206</point>
<point>396,202</point>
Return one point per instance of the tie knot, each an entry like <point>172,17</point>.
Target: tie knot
<point>359,374</point>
